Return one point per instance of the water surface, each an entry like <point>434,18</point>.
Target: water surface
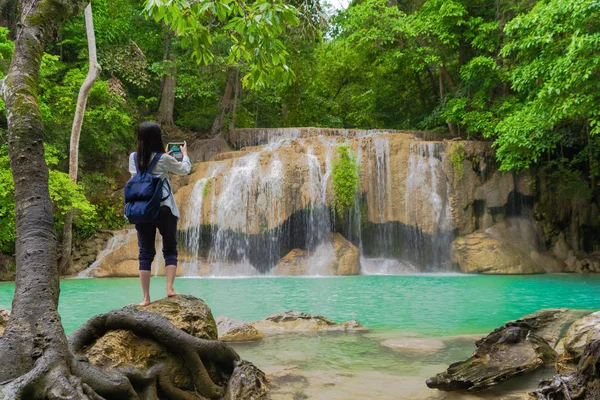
<point>353,365</point>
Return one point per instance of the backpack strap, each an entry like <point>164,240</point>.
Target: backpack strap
<point>154,161</point>
<point>170,191</point>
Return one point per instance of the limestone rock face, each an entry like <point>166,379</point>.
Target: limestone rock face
<point>4,314</point>
<point>513,246</point>
<point>581,333</point>
<point>295,321</point>
<point>231,330</point>
<point>480,253</point>
<point>120,257</point>
<point>122,348</point>
<point>257,194</point>
<point>516,348</point>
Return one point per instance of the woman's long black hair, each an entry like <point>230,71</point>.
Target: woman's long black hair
<point>149,141</point>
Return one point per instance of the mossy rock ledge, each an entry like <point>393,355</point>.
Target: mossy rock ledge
<point>124,349</point>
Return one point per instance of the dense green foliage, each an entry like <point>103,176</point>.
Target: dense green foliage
<point>345,180</point>
<point>524,74</point>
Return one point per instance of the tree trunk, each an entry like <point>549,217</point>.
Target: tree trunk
<point>33,348</point>
<point>37,362</point>
<point>226,106</point>
<point>420,88</point>
<point>236,99</point>
<point>92,75</point>
<point>166,107</point>
<point>444,73</point>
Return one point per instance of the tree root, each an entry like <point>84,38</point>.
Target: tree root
<point>74,378</point>
<point>191,349</point>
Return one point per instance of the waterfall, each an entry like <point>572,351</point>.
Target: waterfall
<point>428,194</point>
<point>192,236</point>
<point>120,239</point>
<point>232,214</point>
<point>249,209</point>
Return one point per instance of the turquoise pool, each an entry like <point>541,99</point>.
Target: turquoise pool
<point>354,365</point>
<point>432,305</point>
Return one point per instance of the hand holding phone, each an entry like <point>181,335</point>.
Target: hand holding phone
<point>177,149</point>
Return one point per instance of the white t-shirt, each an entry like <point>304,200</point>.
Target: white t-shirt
<point>166,164</point>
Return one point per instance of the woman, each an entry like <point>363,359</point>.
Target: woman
<point>150,143</point>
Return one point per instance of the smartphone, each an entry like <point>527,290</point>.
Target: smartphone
<point>175,147</point>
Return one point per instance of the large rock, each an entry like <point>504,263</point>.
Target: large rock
<point>514,246</point>
<point>231,330</point>
<point>336,257</point>
<point>347,256</point>
<point>514,349</point>
<point>480,253</point>
<point>580,334</point>
<point>296,321</point>
<point>4,314</point>
<point>121,348</point>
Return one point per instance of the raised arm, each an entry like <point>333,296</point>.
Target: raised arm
<point>132,168</point>
<point>180,168</point>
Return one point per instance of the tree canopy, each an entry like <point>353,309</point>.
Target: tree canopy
<point>523,74</point>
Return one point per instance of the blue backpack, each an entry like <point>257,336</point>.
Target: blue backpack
<point>143,194</point>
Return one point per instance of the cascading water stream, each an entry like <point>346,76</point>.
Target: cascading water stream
<point>251,209</point>
<point>428,194</point>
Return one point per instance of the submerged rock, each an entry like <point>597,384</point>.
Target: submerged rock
<point>231,330</point>
<point>514,349</point>
<point>420,345</point>
<point>4,314</point>
<point>296,321</point>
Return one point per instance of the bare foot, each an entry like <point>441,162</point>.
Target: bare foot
<point>172,293</point>
<point>145,302</point>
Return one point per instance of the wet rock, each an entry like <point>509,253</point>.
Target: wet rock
<point>338,257</point>
<point>582,384</point>
<point>480,253</point>
<point>121,348</point>
<point>347,256</point>
<point>514,349</point>
<point>419,345</point>
<point>293,264</point>
<point>246,382</point>
<point>585,264</point>
<point>231,330</point>
<point>4,314</point>
<point>296,321</point>
<point>581,333</point>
